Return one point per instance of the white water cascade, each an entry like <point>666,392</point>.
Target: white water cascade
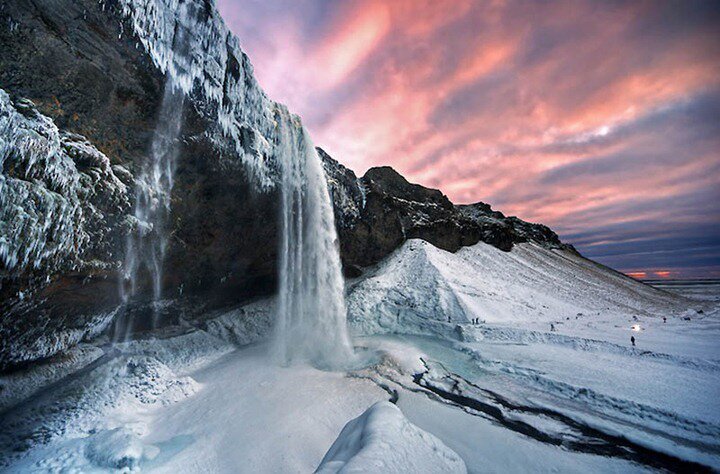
<point>312,317</point>
<point>146,246</point>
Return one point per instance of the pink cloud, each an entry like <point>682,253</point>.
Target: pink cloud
<point>485,100</point>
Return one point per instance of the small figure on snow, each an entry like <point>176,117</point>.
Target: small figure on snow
<point>632,339</point>
<point>552,327</point>
<point>664,319</point>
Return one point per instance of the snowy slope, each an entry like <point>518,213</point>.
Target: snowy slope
<point>549,329</point>
<point>420,288</point>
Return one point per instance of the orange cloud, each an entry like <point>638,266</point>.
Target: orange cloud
<point>483,61</point>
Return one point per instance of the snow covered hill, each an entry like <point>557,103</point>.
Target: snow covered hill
<point>421,289</point>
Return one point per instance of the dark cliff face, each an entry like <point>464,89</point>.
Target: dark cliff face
<point>378,212</point>
<point>81,66</point>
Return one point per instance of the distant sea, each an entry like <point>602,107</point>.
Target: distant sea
<point>701,289</point>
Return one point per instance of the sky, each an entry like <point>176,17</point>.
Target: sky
<point>599,119</point>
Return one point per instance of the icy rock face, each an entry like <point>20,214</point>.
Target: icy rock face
<point>383,440</point>
<point>61,209</point>
<point>53,187</point>
<point>347,193</point>
<point>212,68</point>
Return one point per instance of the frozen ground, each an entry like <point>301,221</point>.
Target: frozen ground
<point>505,394</point>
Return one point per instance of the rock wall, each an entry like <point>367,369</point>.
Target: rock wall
<point>375,214</point>
<point>97,70</point>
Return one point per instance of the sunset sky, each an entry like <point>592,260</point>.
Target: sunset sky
<point>599,119</point>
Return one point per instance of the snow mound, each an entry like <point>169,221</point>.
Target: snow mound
<point>118,449</point>
<point>183,353</point>
<point>245,325</point>
<point>383,440</point>
<point>97,398</point>
<point>421,289</point>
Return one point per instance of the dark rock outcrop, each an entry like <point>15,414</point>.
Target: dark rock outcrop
<point>84,70</point>
<point>378,212</point>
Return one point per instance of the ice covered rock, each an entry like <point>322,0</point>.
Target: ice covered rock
<point>61,212</point>
<point>346,191</point>
<point>383,440</point>
<point>118,449</point>
<point>58,194</point>
<point>212,68</point>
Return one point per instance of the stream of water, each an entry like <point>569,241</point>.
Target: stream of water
<point>147,245</point>
<point>312,317</point>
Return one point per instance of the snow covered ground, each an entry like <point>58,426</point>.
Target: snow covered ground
<point>437,392</point>
<point>707,289</point>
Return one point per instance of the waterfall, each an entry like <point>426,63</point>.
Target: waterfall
<point>312,317</point>
<point>146,246</point>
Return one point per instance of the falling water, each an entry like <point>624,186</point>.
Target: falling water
<point>312,319</point>
<point>146,246</point>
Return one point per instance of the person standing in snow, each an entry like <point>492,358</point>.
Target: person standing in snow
<point>664,319</point>
<point>632,339</point>
<point>552,327</point>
